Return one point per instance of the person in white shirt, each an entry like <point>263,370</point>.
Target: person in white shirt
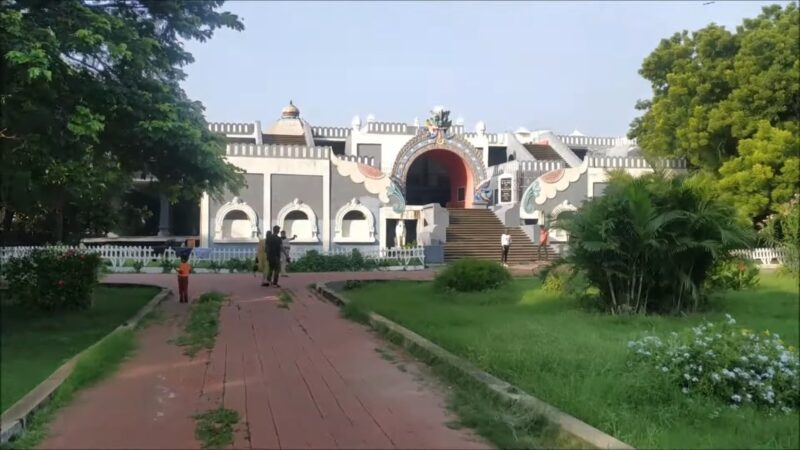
<point>286,248</point>
<point>505,243</point>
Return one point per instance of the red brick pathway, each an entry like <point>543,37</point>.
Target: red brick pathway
<point>300,378</point>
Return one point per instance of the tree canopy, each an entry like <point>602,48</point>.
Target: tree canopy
<point>91,99</point>
<point>729,102</point>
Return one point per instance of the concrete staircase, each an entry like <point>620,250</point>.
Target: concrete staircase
<point>475,233</point>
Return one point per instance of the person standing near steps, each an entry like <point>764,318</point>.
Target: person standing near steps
<point>544,241</point>
<point>505,245</point>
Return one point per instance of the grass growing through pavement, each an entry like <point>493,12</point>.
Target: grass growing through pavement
<point>284,299</point>
<point>97,363</point>
<point>214,429</point>
<point>203,326</point>
<point>34,345</point>
<point>577,361</point>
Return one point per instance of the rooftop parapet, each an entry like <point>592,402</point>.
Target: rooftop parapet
<point>493,138</point>
<point>278,151</point>
<point>232,128</point>
<point>368,160</point>
<point>526,166</point>
<point>614,162</point>
<point>331,132</point>
<point>388,128</point>
<point>595,141</point>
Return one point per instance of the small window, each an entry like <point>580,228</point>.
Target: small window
<point>297,224</point>
<point>236,225</point>
<point>354,224</point>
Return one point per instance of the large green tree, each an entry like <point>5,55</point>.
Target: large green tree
<point>91,98</point>
<point>729,102</point>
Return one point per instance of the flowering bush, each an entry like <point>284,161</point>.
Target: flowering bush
<point>51,280</point>
<point>735,365</point>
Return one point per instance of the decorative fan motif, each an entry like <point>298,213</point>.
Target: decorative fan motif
<point>370,172</point>
<point>374,181</point>
<point>552,176</point>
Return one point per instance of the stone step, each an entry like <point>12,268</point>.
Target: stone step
<point>475,233</point>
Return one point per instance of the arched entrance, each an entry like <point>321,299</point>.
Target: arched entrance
<point>438,169</point>
<point>439,176</point>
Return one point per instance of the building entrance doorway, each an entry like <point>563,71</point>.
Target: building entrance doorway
<point>439,176</point>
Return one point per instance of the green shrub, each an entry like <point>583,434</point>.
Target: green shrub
<point>544,271</point>
<point>137,266</point>
<point>733,273</point>
<point>239,265</point>
<point>558,278</point>
<point>733,365</point>
<point>468,275</point>
<point>215,266</point>
<point>649,243</point>
<point>52,280</point>
<point>167,266</point>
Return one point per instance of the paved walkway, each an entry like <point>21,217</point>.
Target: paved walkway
<point>300,378</point>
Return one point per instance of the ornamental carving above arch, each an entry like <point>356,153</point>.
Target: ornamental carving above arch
<point>423,143</point>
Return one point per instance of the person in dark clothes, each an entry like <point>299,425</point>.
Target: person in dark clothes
<point>274,244</point>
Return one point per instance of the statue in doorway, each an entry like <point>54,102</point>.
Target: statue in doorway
<point>400,234</point>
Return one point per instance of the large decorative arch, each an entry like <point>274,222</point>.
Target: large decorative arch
<point>424,142</point>
<point>236,204</point>
<point>354,205</point>
<point>298,205</point>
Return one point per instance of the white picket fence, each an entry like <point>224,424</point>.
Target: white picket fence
<point>768,257</point>
<point>122,256</point>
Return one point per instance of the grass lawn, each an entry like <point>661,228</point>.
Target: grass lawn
<point>34,346</point>
<point>577,361</point>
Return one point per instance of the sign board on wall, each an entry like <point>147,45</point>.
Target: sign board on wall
<point>506,189</point>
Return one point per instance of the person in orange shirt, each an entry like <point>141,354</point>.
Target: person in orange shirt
<point>544,236</point>
<point>183,279</point>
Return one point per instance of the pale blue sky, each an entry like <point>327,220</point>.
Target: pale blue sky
<point>554,65</point>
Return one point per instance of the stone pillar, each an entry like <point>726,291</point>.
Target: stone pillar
<point>163,217</point>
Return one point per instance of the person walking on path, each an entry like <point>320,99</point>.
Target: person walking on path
<point>273,244</point>
<point>544,236</point>
<point>505,244</point>
<point>183,279</point>
<point>261,259</point>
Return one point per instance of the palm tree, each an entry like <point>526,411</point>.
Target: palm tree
<point>649,242</point>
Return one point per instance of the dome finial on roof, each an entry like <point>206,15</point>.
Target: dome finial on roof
<point>290,111</point>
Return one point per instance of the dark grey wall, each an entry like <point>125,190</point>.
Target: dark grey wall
<point>373,150</point>
<point>252,194</point>
<point>307,188</point>
<point>599,189</point>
